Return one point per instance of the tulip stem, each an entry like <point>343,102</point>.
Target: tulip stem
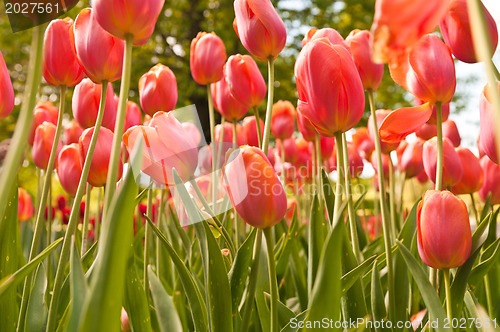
<point>319,178</point>
<point>42,204</point>
<point>85,229</point>
<point>439,166</point>
<point>350,205</point>
<point>446,277</point>
<point>474,209</point>
<point>257,123</point>
<point>147,239</point>
<point>75,213</point>
<point>252,283</point>
<point>273,282</point>
<point>340,178</point>
<point>211,115</point>
<point>114,158</point>
<point>236,223</point>
<point>392,199</point>
<point>383,211</point>
<point>270,96</point>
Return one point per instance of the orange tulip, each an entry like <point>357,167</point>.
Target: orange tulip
<point>6,90</point>
<point>45,111</point>
<point>253,187</point>
<point>452,167</point>
<point>402,122</point>
<point>225,102</point>
<point>491,178</point>
<point>132,17</point>
<point>260,28</point>
<point>410,161</point>
<point>450,130</point>
<point>426,132</point>
<point>308,36</point>
<point>72,133</point>
<point>85,104</point>
<point>388,142</point>
<point>472,177</point>
<point>330,91</point>
<point>443,230</point>
<point>42,145</point>
<point>69,168</point>
<point>363,142</point>
<point>207,58</point>
<point>487,128</point>
<point>25,208</point>
<point>305,127</point>
<point>445,111</point>
<point>283,119</point>
<point>99,53</point>
<point>158,90</point>
<point>250,130</point>
<point>245,80</point>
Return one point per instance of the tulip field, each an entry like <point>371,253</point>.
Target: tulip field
<point>148,210</point>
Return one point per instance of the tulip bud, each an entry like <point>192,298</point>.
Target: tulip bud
<point>100,159</point>
<point>253,187</point>
<point>308,36</point>
<point>260,28</point>
<point>85,104</point>
<point>330,91</point>
<point>158,90</point>
<point>45,111</point>
<point>25,208</point>
<point>60,66</point>
<point>6,90</point>
<point>72,133</point>
<point>305,127</point>
<point>456,31</point>
<point>363,142</point>
<point>445,111</point>
<point>332,35</point>
<point>224,101</point>
<point>283,119</point>
<point>192,132</point>
<point>426,132</point>
<point>304,153</point>
<point>386,147</point>
<point>452,167</point>
<point>487,128</point>
<point>443,230</point>
<point>227,128</point>
<point>450,131</point>
<point>491,178</point>
<point>132,17</point>
<point>245,80</point>
<point>386,159</point>
<point>133,114</point>
<point>42,145</point>
<point>359,42</point>
<point>99,53</point>
<point>410,161</point>
<point>356,164</point>
<point>69,168</point>
<point>207,58</point>
<point>250,130</point>
<point>472,177</point>
<point>327,145</point>
<point>290,147</point>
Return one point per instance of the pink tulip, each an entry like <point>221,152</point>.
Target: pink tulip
<point>386,160</point>
<point>389,145</point>
<point>487,128</point>
<point>72,133</point>
<point>327,145</point>
<point>472,177</point>
<point>363,142</point>
<point>6,90</point>
<point>290,148</point>
<point>411,159</point>
<point>332,35</point>
<point>45,111</point>
<point>42,145</point>
<point>69,168</point>
<point>283,119</point>
<point>86,100</point>
<point>207,58</point>
<point>227,128</point>
<point>133,114</point>
<point>491,178</point>
<point>356,164</point>
<point>426,132</point>
<point>450,130</point>
<point>308,36</point>
<point>158,90</point>
<point>305,127</point>
<point>245,80</point>
<point>193,132</point>
<point>445,111</point>
<point>225,102</point>
<point>250,130</point>
<point>452,167</point>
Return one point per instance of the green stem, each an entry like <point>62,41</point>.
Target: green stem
<point>257,123</point>
<point>270,96</point>
<point>392,199</point>
<point>114,159</point>
<point>319,168</point>
<point>439,165</point>
<point>474,209</point>
<point>147,239</point>
<point>401,195</point>
<point>446,277</point>
<point>214,149</point>
<point>383,211</point>
<point>273,282</point>
<point>75,213</point>
<point>340,177</point>
<point>236,223</point>
<point>350,204</point>
<point>85,229</point>
<point>41,208</point>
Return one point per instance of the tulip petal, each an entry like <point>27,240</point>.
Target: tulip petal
<point>404,121</point>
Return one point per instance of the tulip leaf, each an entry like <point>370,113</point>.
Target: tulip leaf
<point>79,289</point>
<point>352,276</point>
<point>329,193</point>
<point>317,230</point>
<point>164,305</point>
<point>36,312</point>
<point>239,271</point>
<point>488,259</point>
<point>377,297</point>
<point>293,324</point>
<point>431,300</point>
<point>135,300</point>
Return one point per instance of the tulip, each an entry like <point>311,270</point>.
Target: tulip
<point>133,114</point>
<point>42,145</point>
<point>136,18</point>
<point>25,208</point>
<point>386,146</point>
<point>260,28</point>
<point>61,199</point>
<point>72,132</point>
<point>400,123</point>
<point>6,90</point>
<point>158,90</point>
<point>427,71</point>
<point>491,178</point>
<point>308,36</point>
<point>100,159</point>
<point>456,31</point>
<point>283,119</point>
<point>332,35</point>
<point>207,58</point>
<point>386,159</point>
<point>445,111</point>
<point>398,25</point>
<point>85,104</point>
<point>253,187</point>
<point>426,132</point>
<point>250,130</point>
<point>401,149</point>
<point>304,152</point>
<point>224,101</point>
<point>69,168</point>
<point>422,177</point>
<point>245,80</point>
<point>356,164</point>
<point>410,161</point>
<point>60,65</point>
<point>452,167</point>
<point>44,111</point>
<point>472,177</point>
<point>363,142</point>
<point>99,53</point>
<point>193,132</point>
<point>327,145</point>
<point>487,129</point>
<point>443,230</point>
<point>359,42</point>
<point>450,130</point>
<point>290,148</point>
<point>227,128</point>
<point>166,147</point>
<point>305,127</point>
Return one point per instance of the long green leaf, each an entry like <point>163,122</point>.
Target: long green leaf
<point>379,311</point>
<point>79,289</point>
<point>352,276</point>
<point>36,313</point>
<point>165,309</point>
<point>317,231</point>
<point>239,271</point>
<point>135,301</point>
<point>329,193</point>
<point>490,255</point>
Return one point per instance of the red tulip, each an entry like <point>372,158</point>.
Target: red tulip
<point>25,208</point>
<point>132,17</point>
<point>426,132</point>
<point>228,133</point>
<point>250,130</point>
<point>133,114</point>
<point>69,168</point>
<point>6,90</point>
<point>332,35</point>
<point>356,164</point>
<point>363,142</point>
<point>491,178</point>
<point>472,177</point>
<point>158,90</point>
<point>445,111</point>
<point>42,145</point>
<point>245,80</point>
<point>207,58</point>
<point>427,71</point>
<point>304,153</point>
<point>260,28</point>
<point>99,53</point>
<point>224,101</point>
<point>283,119</point>
<point>330,91</point>
<point>487,128</point>
<point>308,36</point>
<point>359,42</point>
<point>402,122</point>
<point>305,127</point>
<point>166,147</point>
<point>100,159</point>
<point>386,159</point>
<point>291,149</point>
<point>422,177</point>
<point>456,31</point>
<point>327,145</point>
<point>382,116</point>
<point>86,100</point>
<point>452,167</point>
<point>450,130</point>
<point>443,230</point>
<point>72,133</point>
<point>410,161</point>
<point>254,188</point>
<point>398,25</point>
<point>44,111</point>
